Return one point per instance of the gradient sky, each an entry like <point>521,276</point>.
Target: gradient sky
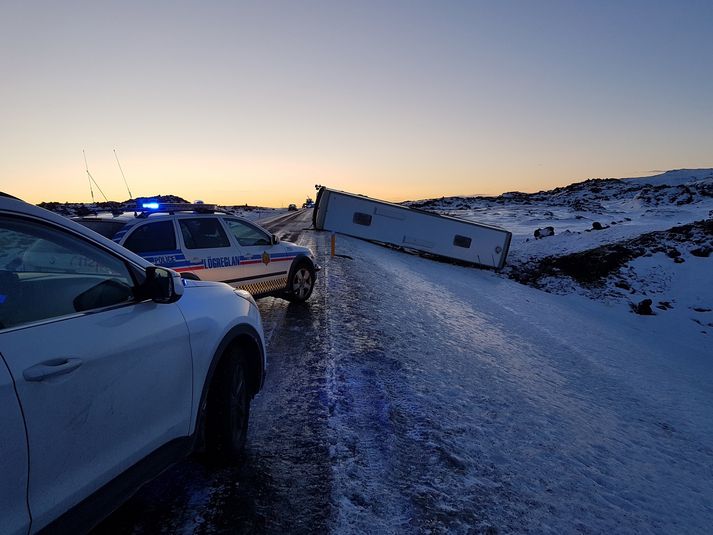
<point>236,102</point>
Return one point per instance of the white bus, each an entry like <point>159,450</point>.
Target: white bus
<point>411,228</point>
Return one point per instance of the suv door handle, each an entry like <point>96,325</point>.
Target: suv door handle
<point>51,368</point>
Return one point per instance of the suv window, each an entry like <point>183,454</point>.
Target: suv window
<point>247,234</point>
<point>203,233</point>
<point>152,237</point>
<point>46,273</point>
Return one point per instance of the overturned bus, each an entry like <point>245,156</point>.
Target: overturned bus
<point>411,228</point>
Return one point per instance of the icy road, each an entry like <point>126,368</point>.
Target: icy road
<point>410,396</point>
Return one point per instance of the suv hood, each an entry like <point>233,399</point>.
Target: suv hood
<point>189,283</point>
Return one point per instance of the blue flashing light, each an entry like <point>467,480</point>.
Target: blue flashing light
<point>150,205</point>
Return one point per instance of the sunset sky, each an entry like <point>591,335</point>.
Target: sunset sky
<point>255,102</point>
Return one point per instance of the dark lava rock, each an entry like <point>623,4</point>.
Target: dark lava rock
<point>643,308</point>
<point>664,305</point>
<point>580,205</point>
<point>688,199</point>
<point>701,309</point>
<point>544,232</point>
<point>623,285</point>
<point>596,225</point>
<point>673,253</point>
<point>592,266</point>
<point>702,252</point>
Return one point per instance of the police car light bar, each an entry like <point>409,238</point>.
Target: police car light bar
<point>146,206</point>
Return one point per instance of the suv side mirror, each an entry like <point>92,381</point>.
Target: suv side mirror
<point>274,240</point>
<point>162,285</point>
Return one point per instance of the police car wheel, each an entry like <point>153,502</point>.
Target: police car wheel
<point>228,409</point>
<point>301,283</point>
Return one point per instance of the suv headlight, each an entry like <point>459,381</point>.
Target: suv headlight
<point>245,295</point>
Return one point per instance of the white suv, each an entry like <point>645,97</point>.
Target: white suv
<point>203,243</point>
<point>110,369</point>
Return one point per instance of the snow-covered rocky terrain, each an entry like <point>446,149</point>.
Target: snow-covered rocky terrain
<point>622,241</point>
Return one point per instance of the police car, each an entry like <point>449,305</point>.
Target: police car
<point>110,369</point>
<point>204,243</point>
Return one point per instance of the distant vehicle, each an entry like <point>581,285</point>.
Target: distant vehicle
<point>309,203</point>
<point>203,243</point>
<point>292,208</point>
<point>110,370</point>
<point>427,232</point>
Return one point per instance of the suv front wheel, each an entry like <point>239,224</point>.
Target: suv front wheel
<point>228,409</point>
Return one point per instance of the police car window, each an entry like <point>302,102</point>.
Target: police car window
<point>203,233</point>
<point>108,229</point>
<point>46,273</point>
<point>247,234</point>
<point>152,238</point>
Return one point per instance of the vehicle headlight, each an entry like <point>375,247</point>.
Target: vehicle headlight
<point>245,295</point>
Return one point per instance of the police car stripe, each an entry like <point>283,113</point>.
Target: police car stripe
<point>258,259</point>
<point>179,262</point>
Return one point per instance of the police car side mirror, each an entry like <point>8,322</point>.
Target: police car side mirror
<point>162,285</point>
<point>274,240</point>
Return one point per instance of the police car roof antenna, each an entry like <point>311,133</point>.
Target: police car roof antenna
<point>122,175</point>
<point>91,179</point>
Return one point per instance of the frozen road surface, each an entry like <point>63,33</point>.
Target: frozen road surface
<point>410,396</point>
